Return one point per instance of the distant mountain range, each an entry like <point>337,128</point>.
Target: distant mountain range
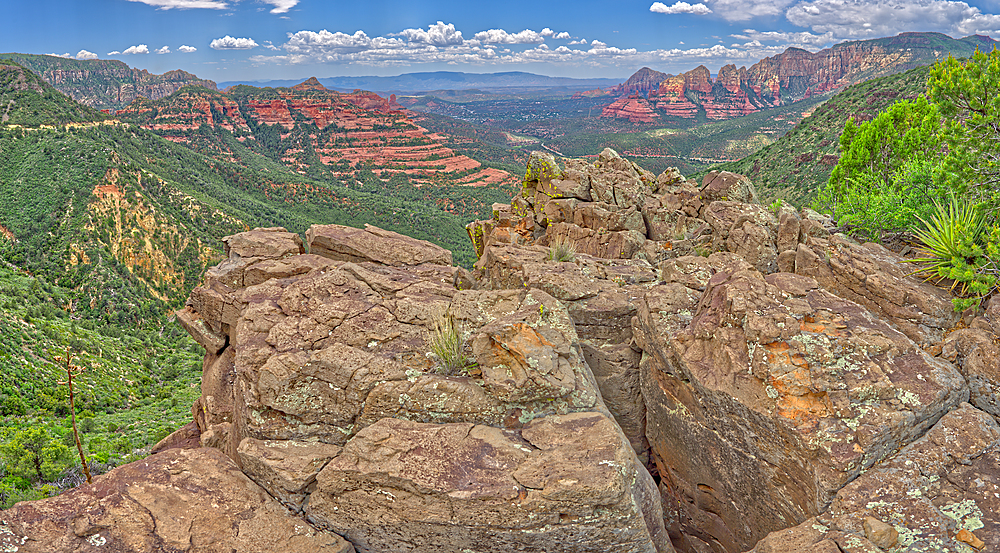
<point>442,80</point>
<point>105,84</point>
<point>793,75</point>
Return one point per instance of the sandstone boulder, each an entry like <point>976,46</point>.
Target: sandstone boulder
<point>269,243</point>
<point>723,185</point>
<point>190,500</point>
<point>940,493</point>
<point>563,483</point>
<point>373,244</point>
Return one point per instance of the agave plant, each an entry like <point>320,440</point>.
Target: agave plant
<point>953,249</point>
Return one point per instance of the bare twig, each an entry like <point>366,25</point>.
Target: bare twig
<point>72,370</point>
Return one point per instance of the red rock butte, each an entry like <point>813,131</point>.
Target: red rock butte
<point>367,129</point>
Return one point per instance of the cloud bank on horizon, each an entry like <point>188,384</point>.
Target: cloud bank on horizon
<point>263,35</point>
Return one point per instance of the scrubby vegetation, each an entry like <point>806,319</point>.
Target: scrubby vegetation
<point>137,385</point>
<point>799,163</point>
<point>932,166</point>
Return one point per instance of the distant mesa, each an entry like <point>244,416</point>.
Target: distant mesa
<point>793,75</point>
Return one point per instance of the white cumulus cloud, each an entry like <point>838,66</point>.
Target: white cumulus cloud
<point>877,18</point>
<point>185,4</point>
<point>742,10</point>
<point>801,39</point>
<point>440,34</point>
<point>230,43</point>
<point>85,55</point>
<point>281,6</point>
<point>137,49</point>
<point>680,7</point>
<point>443,44</point>
<point>114,53</point>
<point>164,50</point>
<point>184,48</point>
<point>500,36</point>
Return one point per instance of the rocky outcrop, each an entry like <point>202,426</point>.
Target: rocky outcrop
<point>771,373</point>
<point>193,500</point>
<point>637,364</point>
<point>633,108</point>
<point>325,395</point>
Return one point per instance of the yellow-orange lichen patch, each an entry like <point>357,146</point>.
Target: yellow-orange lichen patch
<point>829,327</point>
<point>804,408</point>
<point>777,353</point>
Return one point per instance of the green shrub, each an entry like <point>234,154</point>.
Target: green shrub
<point>874,206</point>
<point>956,247</point>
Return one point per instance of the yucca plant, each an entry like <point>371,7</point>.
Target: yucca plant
<point>562,249</point>
<point>447,348</point>
<point>953,240</point>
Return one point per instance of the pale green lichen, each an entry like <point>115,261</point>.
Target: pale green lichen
<point>413,374</point>
<point>965,513</point>
<point>863,409</point>
<point>908,398</point>
<point>906,536</point>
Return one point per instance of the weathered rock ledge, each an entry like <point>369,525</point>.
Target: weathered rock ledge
<point>702,375</point>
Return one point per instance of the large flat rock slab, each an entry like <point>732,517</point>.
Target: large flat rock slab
<point>373,244</point>
<point>562,483</point>
<point>185,500</point>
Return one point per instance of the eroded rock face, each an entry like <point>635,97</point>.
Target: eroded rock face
<point>321,353</point>
<point>190,500</point>
<point>940,493</point>
<point>817,390</point>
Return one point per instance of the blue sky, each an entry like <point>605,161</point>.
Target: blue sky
<point>228,40</point>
